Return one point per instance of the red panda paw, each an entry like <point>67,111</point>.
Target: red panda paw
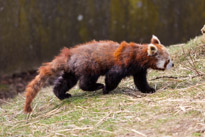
<point>148,90</point>
<point>64,96</point>
<point>105,91</point>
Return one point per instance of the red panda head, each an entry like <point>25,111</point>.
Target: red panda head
<point>159,55</point>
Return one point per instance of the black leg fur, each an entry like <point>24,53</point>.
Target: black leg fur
<point>63,84</point>
<point>141,83</point>
<point>112,79</point>
<point>88,83</point>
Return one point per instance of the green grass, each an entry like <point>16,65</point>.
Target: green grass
<point>176,109</point>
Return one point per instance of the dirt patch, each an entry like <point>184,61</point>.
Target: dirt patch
<point>13,84</point>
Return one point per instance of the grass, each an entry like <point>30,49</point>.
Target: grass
<point>176,109</point>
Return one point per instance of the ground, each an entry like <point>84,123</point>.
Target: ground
<point>176,109</point>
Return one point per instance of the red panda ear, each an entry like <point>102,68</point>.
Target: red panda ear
<point>152,50</point>
<point>155,40</point>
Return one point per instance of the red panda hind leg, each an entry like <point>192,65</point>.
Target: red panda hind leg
<point>88,83</point>
<point>63,84</point>
<point>112,79</point>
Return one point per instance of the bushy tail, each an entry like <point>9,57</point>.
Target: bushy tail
<point>47,70</point>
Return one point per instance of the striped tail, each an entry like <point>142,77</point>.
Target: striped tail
<point>46,71</point>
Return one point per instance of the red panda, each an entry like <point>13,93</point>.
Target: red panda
<point>86,62</point>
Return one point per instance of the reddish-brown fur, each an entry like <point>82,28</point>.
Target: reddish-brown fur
<point>91,58</point>
<point>137,54</point>
<point>45,71</point>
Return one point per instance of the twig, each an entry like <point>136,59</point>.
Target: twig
<point>73,129</point>
<point>174,77</point>
<point>191,63</point>
<point>101,130</point>
<point>139,133</point>
<point>102,120</point>
<point>164,77</point>
<point>28,117</point>
<point>183,100</point>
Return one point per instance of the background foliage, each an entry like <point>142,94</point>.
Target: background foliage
<point>33,31</point>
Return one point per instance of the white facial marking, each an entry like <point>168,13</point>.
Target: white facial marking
<point>155,37</point>
<point>160,63</point>
<point>169,65</point>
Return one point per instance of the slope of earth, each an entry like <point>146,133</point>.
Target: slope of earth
<point>176,109</point>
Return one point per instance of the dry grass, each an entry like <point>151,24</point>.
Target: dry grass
<point>176,109</point>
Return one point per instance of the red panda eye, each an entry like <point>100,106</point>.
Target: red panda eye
<point>152,48</point>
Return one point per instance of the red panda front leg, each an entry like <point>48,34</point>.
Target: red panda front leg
<point>140,80</point>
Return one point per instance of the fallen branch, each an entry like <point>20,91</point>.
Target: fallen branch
<point>174,77</point>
